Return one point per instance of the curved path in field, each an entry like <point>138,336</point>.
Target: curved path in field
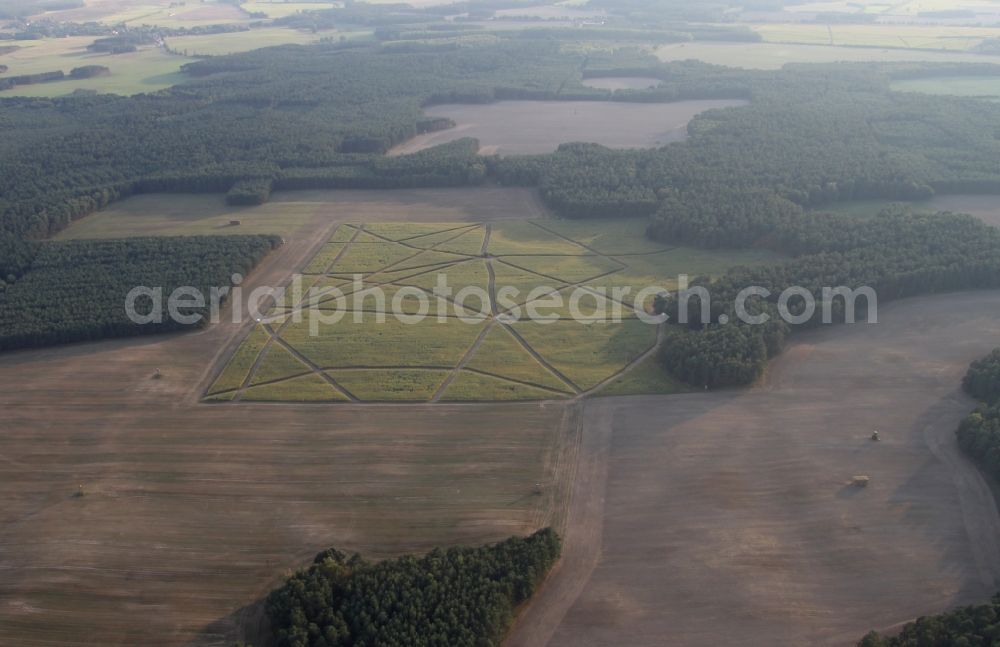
<point>724,518</point>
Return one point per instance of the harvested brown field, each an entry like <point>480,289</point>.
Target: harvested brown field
<point>132,515</point>
<point>531,127</point>
<point>729,518</point>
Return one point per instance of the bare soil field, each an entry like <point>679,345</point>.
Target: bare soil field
<point>531,127</point>
<point>131,515</point>
<point>724,518</point>
<point>622,82</point>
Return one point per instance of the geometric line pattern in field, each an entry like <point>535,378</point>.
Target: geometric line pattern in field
<point>391,257</point>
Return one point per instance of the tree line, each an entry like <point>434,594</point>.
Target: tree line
<point>447,598</point>
<point>58,292</point>
<point>82,72</point>
<point>971,626</point>
<point>9,82</point>
<point>898,253</point>
<point>979,433</point>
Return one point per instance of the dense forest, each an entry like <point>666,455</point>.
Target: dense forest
<point>322,116</point>
<point>333,109</point>
<point>286,111</point>
<point>58,292</point>
<point>973,626</point>
<point>983,379</point>
<point>898,254</point>
<point>447,598</point>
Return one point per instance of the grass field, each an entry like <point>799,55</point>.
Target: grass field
<point>193,215</point>
<point>294,211</point>
<point>648,378</point>
<point>188,15</point>
<point>775,55</point>
<point>984,207</point>
<point>146,70</point>
<point>500,335</point>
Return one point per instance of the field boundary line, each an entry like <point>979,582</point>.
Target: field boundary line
<point>421,250</point>
<point>275,334</point>
<point>394,281</point>
<point>235,340</point>
<point>386,269</point>
<point>484,250</point>
<point>538,357</point>
<point>316,369</point>
<point>566,448</point>
<point>512,380</point>
<point>466,358</point>
<point>578,243</point>
<point>279,380</point>
<point>563,285</point>
<point>373,367</point>
<point>435,233</point>
<point>661,333</point>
